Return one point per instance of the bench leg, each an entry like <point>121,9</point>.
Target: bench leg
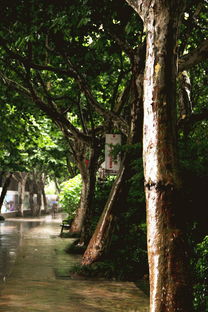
<point>62,228</point>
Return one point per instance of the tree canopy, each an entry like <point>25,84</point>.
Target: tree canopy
<point>71,72</point>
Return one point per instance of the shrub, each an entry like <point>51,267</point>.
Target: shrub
<point>201,276</point>
<point>95,270</point>
<point>70,195</point>
<point>126,258</point>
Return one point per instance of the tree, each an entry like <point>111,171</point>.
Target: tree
<point>5,187</point>
<point>100,241</point>
<point>21,178</point>
<point>12,158</point>
<point>102,236</point>
<point>42,79</point>
<point>59,78</point>
<point>169,283</point>
<point>26,142</point>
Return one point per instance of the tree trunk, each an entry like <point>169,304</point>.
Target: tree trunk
<point>21,190</point>
<point>39,198</point>
<point>101,238</point>
<point>83,215</point>
<point>169,284</point>
<point>31,197</point>
<point>57,184</point>
<point>5,188</point>
<point>81,211</point>
<point>22,178</point>
<point>39,203</point>
<point>92,167</point>
<point>70,168</point>
<point>38,189</point>
<point>45,203</point>
<point>42,191</point>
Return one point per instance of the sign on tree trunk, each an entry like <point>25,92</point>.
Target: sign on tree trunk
<point>112,164</point>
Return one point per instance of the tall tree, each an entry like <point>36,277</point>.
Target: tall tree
<point>100,241</point>
<point>169,282</point>
<point>21,178</point>
<point>79,34</point>
<point>28,140</point>
<point>53,88</point>
<point>102,235</point>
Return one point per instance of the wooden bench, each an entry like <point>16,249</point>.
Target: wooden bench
<point>66,224</point>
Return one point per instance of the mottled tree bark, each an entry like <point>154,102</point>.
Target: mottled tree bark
<point>104,230</point>
<point>31,196</point>
<point>81,210</point>
<point>22,179</point>
<point>90,190</point>
<point>39,198</point>
<point>5,188</point>
<point>88,174</point>
<point>41,186</point>
<point>45,204</point>
<point>185,104</point>
<point>169,283</point>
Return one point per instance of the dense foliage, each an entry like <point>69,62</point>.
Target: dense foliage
<point>48,54</point>
<point>200,265</point>
<point>70,195</point>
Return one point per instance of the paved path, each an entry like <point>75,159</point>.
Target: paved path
<point>37,279</point>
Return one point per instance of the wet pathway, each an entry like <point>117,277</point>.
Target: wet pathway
<point>34,274</point>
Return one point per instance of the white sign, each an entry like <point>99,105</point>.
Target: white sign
<point>111,163</point>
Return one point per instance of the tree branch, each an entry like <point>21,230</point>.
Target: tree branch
<point>59,118</point>
<point>47,93</point>
<point>136,5</point>
<point>93,102</point>
<point>189,122</point>
<point>14,85</point>
<point>84,128</point>
<point>72,72</point>
<point>184,96</point>
<point>140,6</point>
<point>28,63</point>
<point>63,123</point>
<point>194,57</point>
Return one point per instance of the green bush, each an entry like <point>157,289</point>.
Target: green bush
<point>201,277</point>
<point>70,195</point>
<point>95,270</point>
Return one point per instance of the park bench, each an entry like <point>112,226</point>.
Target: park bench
<point>66,224</point>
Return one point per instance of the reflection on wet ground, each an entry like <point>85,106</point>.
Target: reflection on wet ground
<point>35,274</point>
<point>10,240</point>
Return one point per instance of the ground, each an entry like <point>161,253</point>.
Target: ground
<point>35,274</point>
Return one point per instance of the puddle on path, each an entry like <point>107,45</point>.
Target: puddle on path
<point>36,276</point>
